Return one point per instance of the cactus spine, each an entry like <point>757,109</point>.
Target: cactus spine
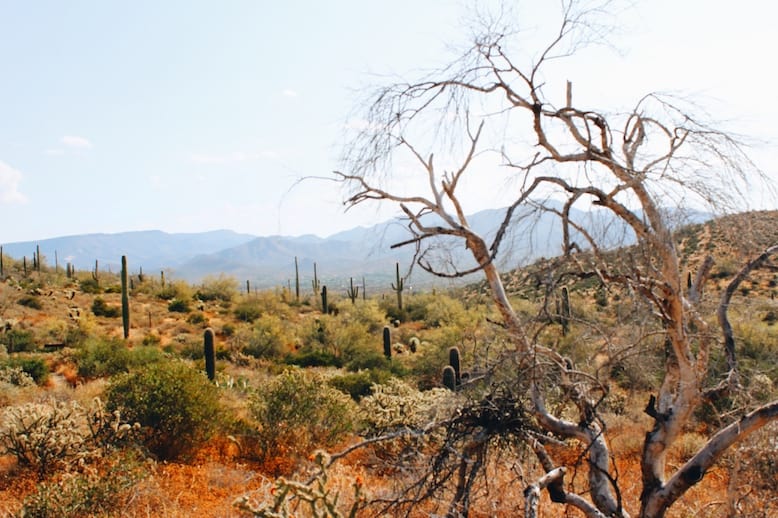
<point>454,363</point>
<point>388,342</point>
<point>125,300</point>
<point>210,354</point>
<point>449,378</point>
<point>324,307</point>
<point>353,291</point>
<point>398,286</point>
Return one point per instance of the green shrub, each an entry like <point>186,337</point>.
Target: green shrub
<point>90,286</point>
<point>266,339</point>
<point>102,357</point>
<point>297,411</point>
<point>359,384</point>
<point>30,301</point>
<point>101,309</point>
<point>196,318</point>
<point>220,288</point>
<point>179,306</point>
<point>18,340</point>
<point>176,406</point>
<point>34,367</point>
<point>248,310</point>
<point>314,358</point>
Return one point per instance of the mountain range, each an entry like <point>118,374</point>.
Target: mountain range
<point>270,261</point>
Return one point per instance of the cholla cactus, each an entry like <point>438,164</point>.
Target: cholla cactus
<point>47,435</point>
<point>397,405</point>
<point>16,376</point>
<point>287,495</point>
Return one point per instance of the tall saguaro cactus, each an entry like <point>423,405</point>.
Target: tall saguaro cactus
<point>296,280</point>
<point>387,342</point>
<point>324,307</point>
<point>210,354</point>
<point>398,286</point>
<point>315,282</point>
<point>125,300</point>
<point>352,291</point>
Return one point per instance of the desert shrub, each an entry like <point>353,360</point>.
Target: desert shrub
<point>314,357</point>
<point>90,285</point>
<point>15,376</point>
<point>151,340</point>
<point>95,491</point>
<point>18,340</point>
<point>176,406</point>
<point>175,290</point>
<point>266,338</point>
<point>368,359</point>
<point>196,318</point>
<point>101,357</point>
<point>33,366</point>
<point>221,288</point>
<point>179,306</point>
<point>101,309</point>
<point>30,301</point>
<point>359,384</point>
<point>45,436</point>
<point>369,314</point>
<point>248,310</point>
<point>297,412</point>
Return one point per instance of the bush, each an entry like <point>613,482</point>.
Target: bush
<point>297,412</point>
<point>220,288</point>
<point>90,286</point>
<point>267,338</point>
<point>176,406</point>
<point>100,357</point>
<point>30,301</point>
<point>359,384</point>
<point>248,311</point>
<point>101,309</point>
<point>34,367</point>
<point>179,306</point>
<point>18,340</point>
<point>314,358</point>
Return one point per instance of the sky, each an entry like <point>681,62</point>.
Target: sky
<point>193,115</point>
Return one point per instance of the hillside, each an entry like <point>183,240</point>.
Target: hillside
<point>51,322</point>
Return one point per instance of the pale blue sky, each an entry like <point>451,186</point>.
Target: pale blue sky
<point>186,116</point>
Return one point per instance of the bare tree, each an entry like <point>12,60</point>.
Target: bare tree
<point>563,156</point>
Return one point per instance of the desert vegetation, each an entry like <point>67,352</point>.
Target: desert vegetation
<point>632,375</point>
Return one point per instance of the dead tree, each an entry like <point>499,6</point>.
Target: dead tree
<point>629,166</point>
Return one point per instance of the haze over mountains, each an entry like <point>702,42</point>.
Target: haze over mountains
<point>269,261</point>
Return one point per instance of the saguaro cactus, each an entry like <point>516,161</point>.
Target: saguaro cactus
<point>1,261</point>
<point>353,291</point>
<point>398,286</point>
<point>454,362</point>
<point>125,300</point>
<point>296,280</point>
<point>449,377</point>
<point>324,307</point>
<point>315,282</point>
<point>388,342</point>
<point>210,354</point>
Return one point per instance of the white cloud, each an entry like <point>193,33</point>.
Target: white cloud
<point>73,141</point>
<point>9,185</point>
<point>289,93</point>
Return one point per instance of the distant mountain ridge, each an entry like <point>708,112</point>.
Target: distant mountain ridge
<point>354,253</point>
